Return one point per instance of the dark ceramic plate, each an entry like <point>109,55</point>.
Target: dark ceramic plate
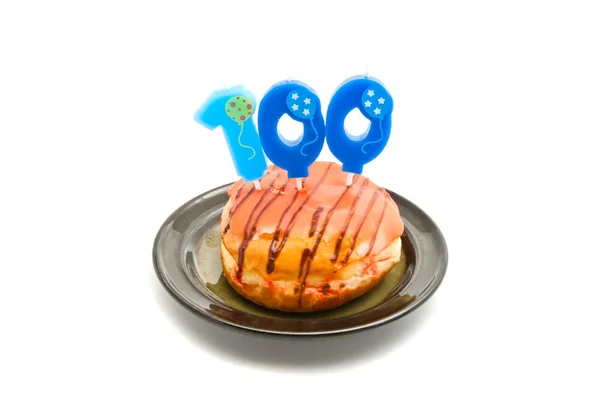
<point>187,261</point>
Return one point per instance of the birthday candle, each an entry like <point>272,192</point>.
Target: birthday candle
<point>302,104</point>
<point>232,109</point>
<point>376,104</point>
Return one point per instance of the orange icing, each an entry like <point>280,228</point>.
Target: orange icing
<point>332,186</point>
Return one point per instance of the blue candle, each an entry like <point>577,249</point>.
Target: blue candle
<point>375,103</point>
<point>302,104</point>
<point>233,109</point>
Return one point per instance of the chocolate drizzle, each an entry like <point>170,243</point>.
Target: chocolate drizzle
<point>305,255</point>
<point>237,193</point>
<point>237,205</point>
<point>376,229</point>
<point>364,218</point>
<point>273,253</point>
<point>276,246</point>
<point>315,221</point>
<point>307,261</point>
<point>250,230</point>
<point>338,244</point>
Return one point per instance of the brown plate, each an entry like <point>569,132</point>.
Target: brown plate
<point>187,261</point>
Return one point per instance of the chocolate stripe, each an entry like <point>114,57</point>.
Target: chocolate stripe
<point>236,206</point>
<point>315,221</point>
<point>249,233</point>
<point>377,228</point>
<point>338,244</point>
<point>305,255</point>
<point>353,243</point>
<point>272,252</point>
<point>308,261</point>
<point>275,248</point>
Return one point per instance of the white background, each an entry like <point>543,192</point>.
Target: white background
<point>496,125</point>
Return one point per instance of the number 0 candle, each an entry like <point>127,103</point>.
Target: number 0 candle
<point>302,104</point>
<point>233,109</point>
<point>375,103</point>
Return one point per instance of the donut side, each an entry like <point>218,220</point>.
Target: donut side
<point>327,285</point>
<point>358,278</point>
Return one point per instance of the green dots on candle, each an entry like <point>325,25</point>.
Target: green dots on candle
<point>239,109</point>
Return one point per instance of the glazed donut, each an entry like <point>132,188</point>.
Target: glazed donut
<point>313,249</point>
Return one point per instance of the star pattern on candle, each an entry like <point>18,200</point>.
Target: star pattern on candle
<point>374,96</point>
<point>302,103</point>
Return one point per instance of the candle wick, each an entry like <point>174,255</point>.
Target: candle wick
<point>366,68</point>
<point>299,184</point>
<point>257,185</point>
<point>349,179</point>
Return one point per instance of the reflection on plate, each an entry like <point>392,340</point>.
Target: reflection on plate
<point>187,261</point>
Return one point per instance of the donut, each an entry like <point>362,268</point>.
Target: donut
<point>312,249</point>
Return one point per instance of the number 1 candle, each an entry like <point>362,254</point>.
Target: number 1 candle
<point>302,104</point>
<point>233,109</point>
<point>375,103</point>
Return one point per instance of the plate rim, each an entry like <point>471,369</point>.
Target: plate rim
<point>422,299</point>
